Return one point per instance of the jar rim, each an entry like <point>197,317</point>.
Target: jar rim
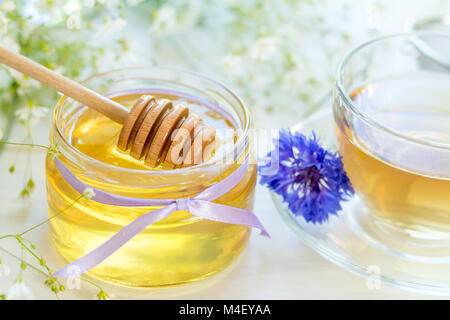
<point>237,148</point>
<point>363,116</point>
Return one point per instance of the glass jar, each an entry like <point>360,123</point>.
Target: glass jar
<point>176,250</point>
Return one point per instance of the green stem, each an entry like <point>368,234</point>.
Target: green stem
<point>18,258</point>
<point>8,236</point>
<point>28,249</point>
<point>54,216</point>
<point>25,144</point>
<point>92,283</point>
<point>42,272</point>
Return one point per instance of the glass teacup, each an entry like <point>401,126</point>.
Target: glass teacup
<point>392,116</point>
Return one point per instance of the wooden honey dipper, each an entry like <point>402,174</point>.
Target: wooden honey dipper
<point>155,129</point>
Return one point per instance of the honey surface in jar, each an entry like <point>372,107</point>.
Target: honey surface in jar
<point>176,250</point>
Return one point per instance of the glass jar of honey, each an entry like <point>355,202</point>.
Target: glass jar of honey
<point>181,248</point>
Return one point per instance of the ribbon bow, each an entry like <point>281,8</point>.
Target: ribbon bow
<point>199,206</point>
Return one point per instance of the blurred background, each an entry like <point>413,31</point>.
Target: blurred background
<point>280,56</point>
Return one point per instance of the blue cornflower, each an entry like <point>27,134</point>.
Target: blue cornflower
<point>310,179</point>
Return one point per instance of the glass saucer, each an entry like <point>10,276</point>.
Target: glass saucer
<point>359,242</point>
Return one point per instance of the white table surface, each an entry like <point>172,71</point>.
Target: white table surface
<point>278,268</point>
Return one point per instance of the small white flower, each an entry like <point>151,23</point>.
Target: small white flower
<point>52,9</point>
<point>165,20</point>
<point>5,80</point>
<point>60,70</point>
<point>71,7</point>
<point>293,81</point>
<point>10,43</point>
<point>88,3</point>
<point>74,21</point>
<point>19,291</point>
<point>24,81</point>
<point>110,27</point>
<point>4,269</point>
<point>18,76</point>
<point>265,49</point>
<point>134,2</point>
<point>73,10</point>
<point>8,6</point>
<point>3,24</point>
<point>232,65</point>
<point>88,193</point>
<point>31,112</point>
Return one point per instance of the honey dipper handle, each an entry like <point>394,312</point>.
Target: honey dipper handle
<point>76,91</point>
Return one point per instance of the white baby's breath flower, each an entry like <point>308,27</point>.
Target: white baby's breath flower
<point>74,21</point>
<point>293,81</point>
<point>113,4</point>
<point>110,27</point>
<point>88,193</point>
<point>19,291</point>
<point>51,10</point>
<point>73,10</point>
<point>10,43</point>
<point>5,80</point>
<point>4,268</point>
<point>26,82</point>
<point>60,69</point>
<point>18,76</point>
<point>3,24</point>
<point>134,2</point>
<point>72,6</point>
<point>128,55</point>
<point>31,112</point>
<point>265,49</point>
<point>88,3</point>
<point>165,20</point>
<point>232,65</point>
<point>8,6</point>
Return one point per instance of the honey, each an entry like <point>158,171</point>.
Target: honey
<point>405,184</point>
<point>176,250</point>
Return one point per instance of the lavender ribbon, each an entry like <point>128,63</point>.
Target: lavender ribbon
<point>199,206</point>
